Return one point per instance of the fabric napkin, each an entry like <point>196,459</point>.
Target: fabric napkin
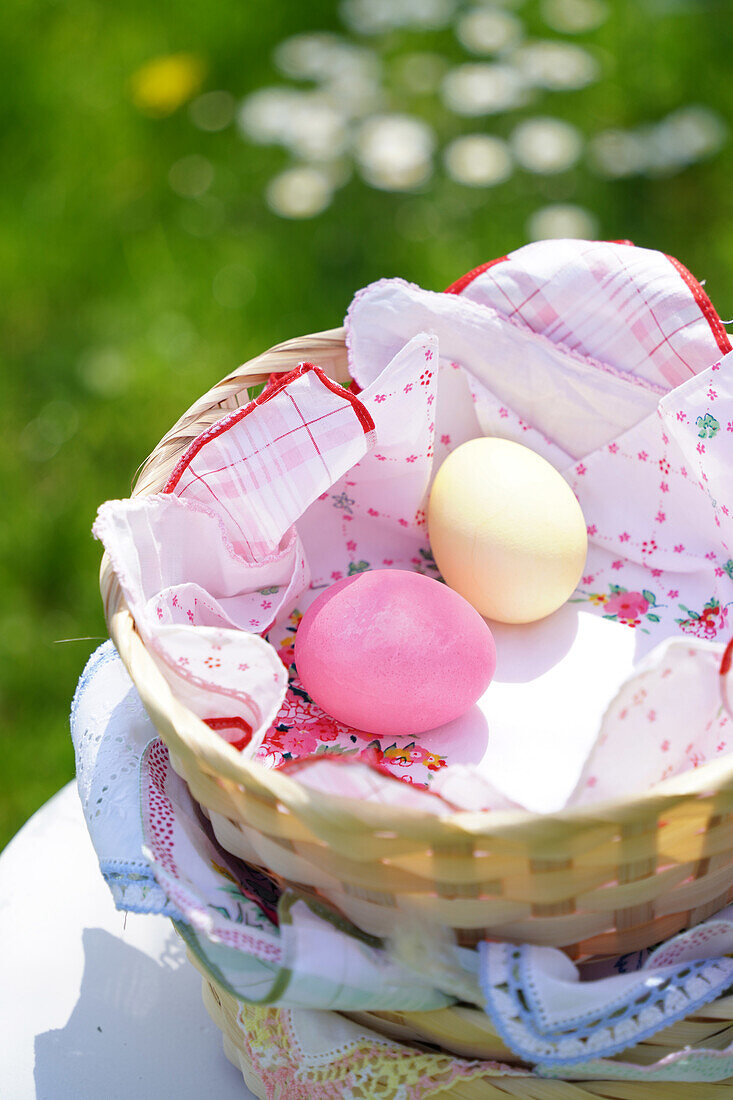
<point>157,856</point>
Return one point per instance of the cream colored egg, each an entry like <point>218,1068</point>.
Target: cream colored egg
<point>506,530</point>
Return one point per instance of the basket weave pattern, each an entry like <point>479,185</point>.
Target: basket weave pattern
<point>613,878</point>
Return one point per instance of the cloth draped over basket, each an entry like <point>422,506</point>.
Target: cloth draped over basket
<point>157,857</point>
<point>611,362</point>
<point>620,384</point>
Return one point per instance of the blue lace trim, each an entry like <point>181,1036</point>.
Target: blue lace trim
<point>584,1025</point>
<point>135,889</point>
<point>614,1014</point>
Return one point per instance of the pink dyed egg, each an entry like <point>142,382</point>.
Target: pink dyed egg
<point>393,652</point>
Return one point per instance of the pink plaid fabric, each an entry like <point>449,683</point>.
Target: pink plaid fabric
<point>207,565</point>
<point>260,466</point>
<point>632,308</point>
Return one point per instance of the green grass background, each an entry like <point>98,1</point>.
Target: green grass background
<point>109,324</point>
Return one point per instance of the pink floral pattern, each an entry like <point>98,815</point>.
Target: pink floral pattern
<point>628,606</point>
<point>618,603</point>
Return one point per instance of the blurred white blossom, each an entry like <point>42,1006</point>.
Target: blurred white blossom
<point>378,16</point>
<point>478,160</point>
<point>314,56</point>
<point>546,145</point>
<point>680,138</point>
<point>395,152</point>
<point>483,89</point>
<point>618,153</point>
<point>350,105</point>
<point>300,192</point>
<point>562,221</point>
<point>486,30</point>
<point>557,66</point>
<point>306,122</point>
<point>574,16</point>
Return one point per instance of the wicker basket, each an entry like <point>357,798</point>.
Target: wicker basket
<point>711,1027</point>
<point>610,878</point>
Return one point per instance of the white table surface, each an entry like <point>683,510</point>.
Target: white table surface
<point>94,1003</point>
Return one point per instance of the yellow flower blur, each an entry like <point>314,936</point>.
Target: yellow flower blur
<point>161,85</point>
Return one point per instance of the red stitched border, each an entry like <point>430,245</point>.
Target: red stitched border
<point>235,722</point>
<point>460,284</point>
<point>232,723</point>
<point>227,422</point>
<point>706,306</point>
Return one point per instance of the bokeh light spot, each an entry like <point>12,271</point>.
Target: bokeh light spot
<point>43,436</point>
<point>301,192</point>
<point>212,111</point>
<point>557,66</point>
<point>486,31</point>
<point>104,371</point>
<point>172,336</point>
<point>562,221</point>
<point>163,84</point>
<point>202,217</point>
<point>483,89</point>
<point>478,160</point>
<point>574,16</point>
<point>420,73</point>
<point>395,152</point>
<point>546,145</point>
<point>191,176</point>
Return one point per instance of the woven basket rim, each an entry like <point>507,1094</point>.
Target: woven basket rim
<point>221,758</point>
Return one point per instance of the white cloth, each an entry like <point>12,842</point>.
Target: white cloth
<point>551,1018</point>
<point>110,730</point>
<point>158,857</point>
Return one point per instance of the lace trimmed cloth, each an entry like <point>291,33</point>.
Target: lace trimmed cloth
<point>111,730</point>
<point>553,1020</point>
<point>308,1055</point>
<point>157,856</point>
